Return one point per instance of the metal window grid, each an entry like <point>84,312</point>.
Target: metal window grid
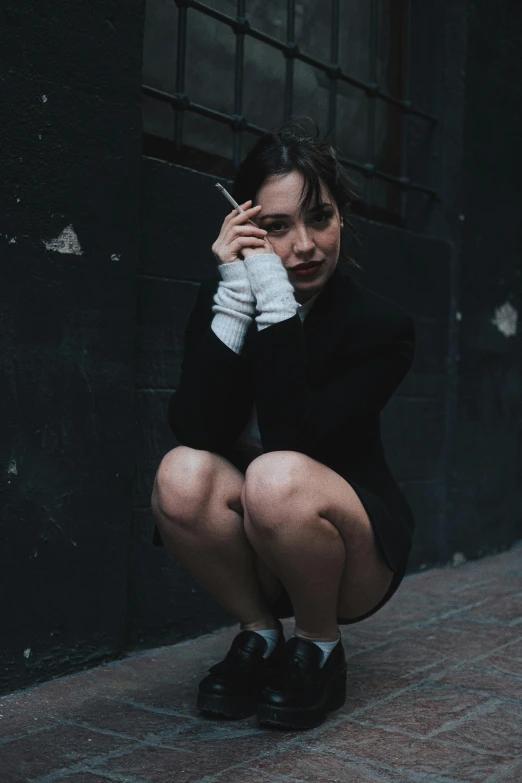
<point>240,25</point>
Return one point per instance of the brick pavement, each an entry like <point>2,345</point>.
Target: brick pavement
<point>434,696</point>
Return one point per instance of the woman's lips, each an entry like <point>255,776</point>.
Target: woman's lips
<point>309,272</point>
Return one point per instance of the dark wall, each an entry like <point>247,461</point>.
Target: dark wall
<point>485,479</point>
<point>103,252</point>
<point>69,233</point>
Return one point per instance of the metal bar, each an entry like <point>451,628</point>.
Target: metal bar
<point>238,80</point>
<point>268,39</point>
<point>406,96</point>
<point>289,76</point>
<point>293,51</point>
<point>232,22</point>
<point>181,57</point>
<point>371,171</point>
<point>205,9</point>
<point>370,145</point>
<point>231,120</point>
<point>183,102</point>
<point>334,59</point>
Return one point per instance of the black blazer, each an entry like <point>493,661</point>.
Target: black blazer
<point>318,386</point>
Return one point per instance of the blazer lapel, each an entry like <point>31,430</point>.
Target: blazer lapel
<point>322,325</point>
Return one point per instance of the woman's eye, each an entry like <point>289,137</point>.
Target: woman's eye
<point>322,217</point>
<point>277,227</point>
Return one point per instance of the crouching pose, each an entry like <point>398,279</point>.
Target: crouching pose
<point>280,500</point>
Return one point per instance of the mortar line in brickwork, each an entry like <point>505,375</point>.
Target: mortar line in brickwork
<point>168,279</point>
<point>156,389</point>
<point>418,397</point>
<point>169,713</point>
<point>247,766</point>
<point>409,775</point>
<point>480,711</point>
<point>506,773</point>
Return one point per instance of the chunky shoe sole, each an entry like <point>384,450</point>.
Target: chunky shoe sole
<point>294,718</point>
<point>225,706</point>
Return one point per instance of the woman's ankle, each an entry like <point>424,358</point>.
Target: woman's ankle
<point>264,624</point>
<point>329,635</point>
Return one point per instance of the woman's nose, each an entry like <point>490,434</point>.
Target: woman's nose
<point>303,241</point>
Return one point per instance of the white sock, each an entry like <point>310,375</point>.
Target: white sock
<point>271,636</point>
<point>326,648</point>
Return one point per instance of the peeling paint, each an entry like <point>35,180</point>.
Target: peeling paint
<point>67,242</point>
<point>458,316</point>
<point>27,652</point>
<point>11,468</point>
<point>505,319</point>
<point>458,558</point>
<point>12,241</point>
<point>115,257</point>
<point>44,98</point>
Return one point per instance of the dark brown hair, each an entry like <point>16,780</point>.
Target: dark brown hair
<point>293,148</point>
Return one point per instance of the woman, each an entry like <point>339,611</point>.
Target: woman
<point>280,500</point>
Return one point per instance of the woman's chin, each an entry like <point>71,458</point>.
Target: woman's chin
<point>303,293</point>
<point>306,289</point>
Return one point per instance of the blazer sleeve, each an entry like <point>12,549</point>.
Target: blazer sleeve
<point>212,402</point>
<point>295,416</point>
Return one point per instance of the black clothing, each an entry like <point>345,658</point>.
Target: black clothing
<point>318,386</point>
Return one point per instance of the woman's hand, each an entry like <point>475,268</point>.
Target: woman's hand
<point>239,235</point>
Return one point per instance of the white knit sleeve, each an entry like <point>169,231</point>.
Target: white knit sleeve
<point>234,305</point>
<point>273,291</point>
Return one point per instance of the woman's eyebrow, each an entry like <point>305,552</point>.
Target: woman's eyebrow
<point>284,215</point>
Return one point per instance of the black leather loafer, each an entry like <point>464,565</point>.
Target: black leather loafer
<point>298,693</point>
<point>232,688</point>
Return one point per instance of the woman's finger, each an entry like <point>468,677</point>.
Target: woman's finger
<point>235,212</point>
<point>238,231</point>
<point>244,230</point>
<point>248,214</point>
<point>241,242</point>
<point>249,229</point>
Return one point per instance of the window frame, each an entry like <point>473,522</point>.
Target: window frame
<point>175,151</point>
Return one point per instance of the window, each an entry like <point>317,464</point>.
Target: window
<point>218,74</point>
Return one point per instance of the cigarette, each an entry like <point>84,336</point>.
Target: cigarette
<point>228,196</point>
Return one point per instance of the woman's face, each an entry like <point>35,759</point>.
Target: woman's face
<point>299,239</point>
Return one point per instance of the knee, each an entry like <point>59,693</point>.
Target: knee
<point>183,483</point>
<point>272,482</point>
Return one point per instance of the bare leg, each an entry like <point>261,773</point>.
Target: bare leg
<point>311,528</point>
<point>309,554</point>
<point>196,501</point>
